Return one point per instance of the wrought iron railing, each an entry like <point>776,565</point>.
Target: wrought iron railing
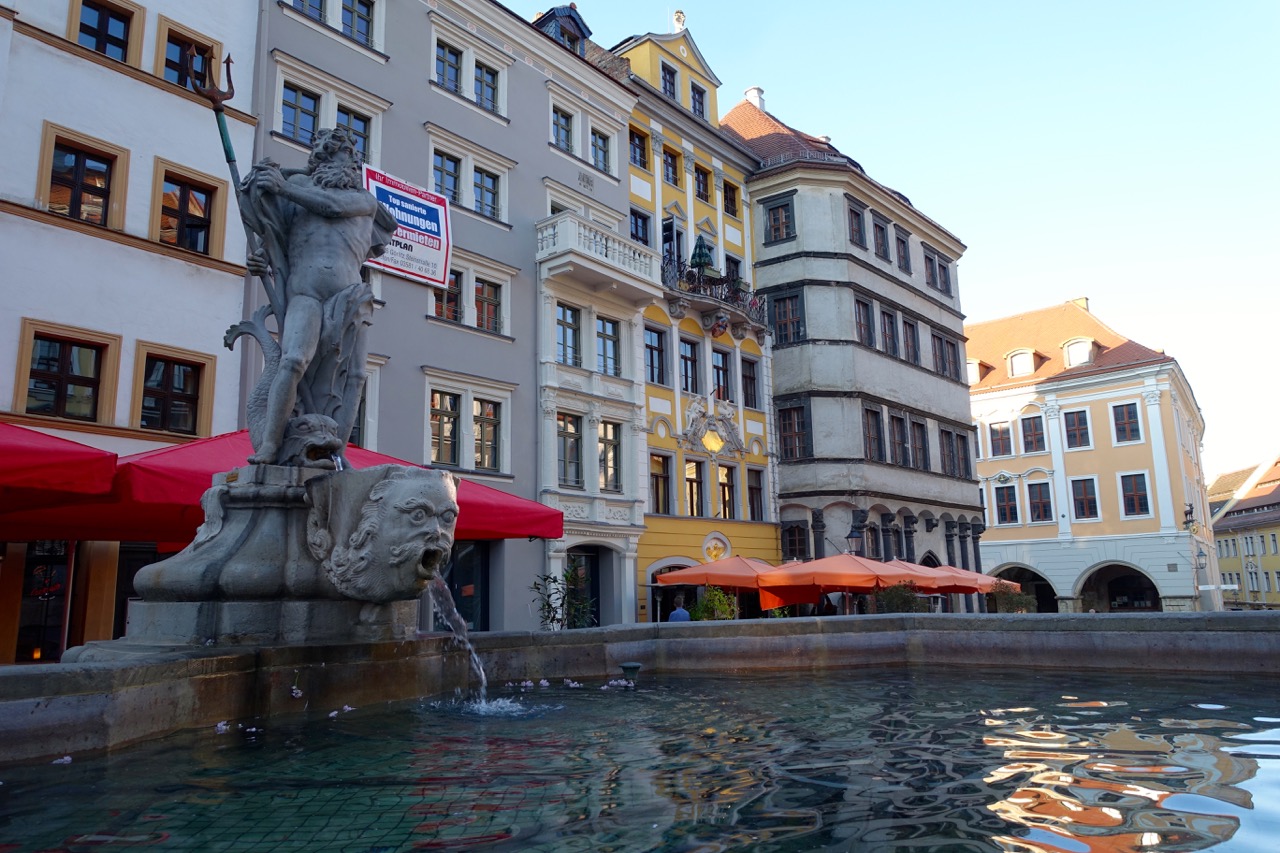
<point>733,292</point>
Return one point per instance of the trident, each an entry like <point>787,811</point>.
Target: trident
<point>216,98</point>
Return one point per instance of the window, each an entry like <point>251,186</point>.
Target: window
<point>610,440</point>
<point>359,127</point>
<point>1022,364</point>
<point>1084,498</point>
<point>485,185</point>
<point>1274,544</point>
<point>947,451</point>
<point>668,75</point>
<point>910,342</point>
<point>599,150</point>
<point>487,420</point>
<point>1125,417</point>
<point>919,445</point>
<point>639,147</point>
<point>310,8</point>
<point>568,335</point>
<point>178,46</point>
<point>608,346</point>
<point>937,270</point>
<point>728,492</point>
<point>449,67</point>
<point>732,268</point>
<point>755,494</point>
<point>562,130</point>
<point>488,306</point>
<point>449,299</point>
<point>898,451</point>
<point>689,366</point>
<point>64,378</point>
<point>779,222</point>
<point>889,332</point>
<point>1033,434</point>
<point>857,226</point>
<point>80,184</point>
<point>702,184</point>
<point>186,213</point>
<point>447,171</point>
<point>788,325</point>
<point>444,427</point>
<point>721,371</point>
<point>655,356</point>
<point>880,229</point>
<point>357,20</point>
<point>569,449</point>
<point>1006,505</point>
<point>1001,440</point>
<point>640,227</point>
<point>1133,492</point>
<point>486,87</point>
<point>964,466</point>
<point>902,243</point>
<point>730,199</point>
<point>1039,502</point>
<point>107,29</point>
<point>301,114</point>
<point>862,320</point>
<point>946,357</point>
<point>872,435</point>
<point>1077,426</point>
<point>750,385</point>
<point>795,541</point>
<point>792,434</point>
<point>659,484</point>
<point>671,167</point>
<point>694,500</point>
<point>698,100</point>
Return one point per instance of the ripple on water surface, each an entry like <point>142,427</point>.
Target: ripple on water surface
<point>904,759</point>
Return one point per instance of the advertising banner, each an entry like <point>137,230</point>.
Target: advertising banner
<point>420,248</point>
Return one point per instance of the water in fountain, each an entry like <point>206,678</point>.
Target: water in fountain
<point>442,604</point>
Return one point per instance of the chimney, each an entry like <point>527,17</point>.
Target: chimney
<point>679,21</point>
<point>756,96</point>
<point>1082,301</point>
<point>824,139</point>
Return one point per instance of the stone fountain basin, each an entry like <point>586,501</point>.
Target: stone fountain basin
<point>134,691</point>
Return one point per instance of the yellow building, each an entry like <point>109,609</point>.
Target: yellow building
<point>1089,466</point>
<point>1246,530</point>
<point>706,349</point>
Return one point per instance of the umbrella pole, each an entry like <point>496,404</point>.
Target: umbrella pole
<point>66,609</point>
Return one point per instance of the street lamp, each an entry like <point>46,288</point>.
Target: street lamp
<point>1202,560</point>
<point>856,527</point>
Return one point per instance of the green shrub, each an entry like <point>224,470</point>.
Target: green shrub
<point>1009,600</point>
<point>562,601</point>
<point>715,603</point>
<point>901,598</point>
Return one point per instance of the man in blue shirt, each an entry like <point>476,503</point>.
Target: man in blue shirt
<point>679,614</point>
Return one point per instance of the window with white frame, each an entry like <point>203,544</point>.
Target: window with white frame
<point>1006,503</point>
<point>582,130</point>
<point>1084,499</point>
<point>1076,425</point>
<point>1135,502</point>
<point>1126,428</point>
<point>308,99</point>
<point>469,67</point>
<point>473,176</point>
<point>468,421</point>
<point>476,292</point>
<point>354,23</point>
<point>1039,503</point>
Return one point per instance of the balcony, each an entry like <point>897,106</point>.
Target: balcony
<point>705,291</point>
<point>571,246</point>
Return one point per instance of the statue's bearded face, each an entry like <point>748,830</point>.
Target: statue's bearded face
<point>334,162</point>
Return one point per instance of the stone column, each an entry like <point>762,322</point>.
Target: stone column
<point>949,532</point>
<point>976,529</point>
<point>909,535</point>
<point>886,537</point>
<point>819,534</point>
<point>963,528</point>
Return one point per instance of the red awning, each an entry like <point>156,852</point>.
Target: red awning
<point>41,470</point>
<point>156,498</point>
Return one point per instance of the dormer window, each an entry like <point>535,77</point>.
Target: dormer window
<point>977,370</point>
<point>1022,363</point>
<point>570,40</point>
<point>1078,351</point>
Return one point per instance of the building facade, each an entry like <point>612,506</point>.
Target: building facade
<point>1246,533</point>
<point>1090,466</point>
<point>706,355</point>
<point>123,263</point>
<point>873,428</point>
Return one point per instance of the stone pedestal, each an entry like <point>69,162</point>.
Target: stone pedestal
<point>280,622</point>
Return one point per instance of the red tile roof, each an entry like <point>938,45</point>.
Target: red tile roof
<point>1045,331</point>
<point>772,139</point>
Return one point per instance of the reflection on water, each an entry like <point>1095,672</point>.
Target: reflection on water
<point>868,760</point>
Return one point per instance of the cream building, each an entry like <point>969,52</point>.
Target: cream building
<point>1246,532</point>
<point>1089,466</point>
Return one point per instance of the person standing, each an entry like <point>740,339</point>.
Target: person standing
<point>679,614</point>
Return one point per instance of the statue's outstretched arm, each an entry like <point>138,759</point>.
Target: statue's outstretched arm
<point>330,203</point>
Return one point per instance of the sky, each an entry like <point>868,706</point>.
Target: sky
<point>1123,150</point>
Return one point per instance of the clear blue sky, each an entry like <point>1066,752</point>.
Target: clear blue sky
<point>1125,151</point>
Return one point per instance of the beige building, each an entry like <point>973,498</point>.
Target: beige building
<point>1246,532</point>
<point>1089,464</point>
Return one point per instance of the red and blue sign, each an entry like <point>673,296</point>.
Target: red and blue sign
<point>420,248</point>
